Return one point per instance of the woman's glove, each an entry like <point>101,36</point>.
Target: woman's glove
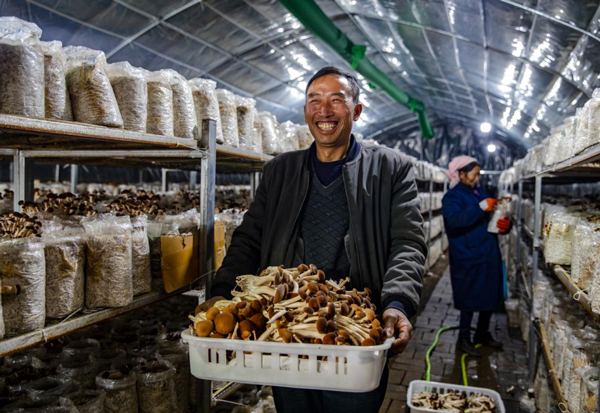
<point>503,225</point>
<point>488,204</point>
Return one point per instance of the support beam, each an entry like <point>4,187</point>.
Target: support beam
<point>22,171</point>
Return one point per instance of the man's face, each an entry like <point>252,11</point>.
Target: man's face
<point>330,111</point>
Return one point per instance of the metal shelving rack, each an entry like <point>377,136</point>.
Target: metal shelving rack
<point>583,168</point>
<point>24,141</point>
<point>431,189</point>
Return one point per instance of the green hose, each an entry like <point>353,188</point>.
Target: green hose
<point>432,347</point>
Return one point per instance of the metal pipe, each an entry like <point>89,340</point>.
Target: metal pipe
<point>317,22</point>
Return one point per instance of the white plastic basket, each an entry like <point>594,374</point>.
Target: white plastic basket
<point>328,367</point>
<point>419,386</point>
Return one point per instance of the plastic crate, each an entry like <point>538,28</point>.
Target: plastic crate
<point>326,367</point>
<point>419,386</point>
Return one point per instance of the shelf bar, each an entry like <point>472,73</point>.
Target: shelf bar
<point>21,124</point>
<point>241,153</point>
<point>23,341</point>
<point>583,299</point>
<point>551,369</point>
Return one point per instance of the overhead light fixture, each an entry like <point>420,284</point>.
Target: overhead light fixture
<point>491,148</point>
<point>485,127</point>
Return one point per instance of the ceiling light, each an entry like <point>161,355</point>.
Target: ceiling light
<point>485,127</point>
<point>491,148</point>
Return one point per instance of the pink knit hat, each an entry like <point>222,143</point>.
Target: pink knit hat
<point>456,165</point>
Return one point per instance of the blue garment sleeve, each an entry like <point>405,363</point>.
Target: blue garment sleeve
<point>457,215</point>
<point>401,304</point>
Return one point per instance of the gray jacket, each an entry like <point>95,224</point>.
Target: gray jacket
<point>386,243</point>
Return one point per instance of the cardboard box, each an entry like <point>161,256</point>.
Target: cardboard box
<point>179,260</point>
<point>219,249</point>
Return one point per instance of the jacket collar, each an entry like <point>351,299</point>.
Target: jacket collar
<point>354,153</point>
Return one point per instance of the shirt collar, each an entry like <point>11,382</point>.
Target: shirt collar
<point>351,155</point>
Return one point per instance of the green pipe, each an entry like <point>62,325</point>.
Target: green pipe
<point>317,22</point>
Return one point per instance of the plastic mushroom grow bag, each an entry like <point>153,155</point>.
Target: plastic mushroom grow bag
<point>156,387</point>
<point>185,124</point>
<point>23,267</point>
<point>270,139</point>
<point>140,248</point>
<point>228,110</point>
<point>92,97</point>
<point>206,104</point>
<point>131,92</point>
<point>160,103</point>
<point>21,68</point>
<point>120,389</point>
<point>57,100</point>
<point>245,121</point>
<point>108,264</point>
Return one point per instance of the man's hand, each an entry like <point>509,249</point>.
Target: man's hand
<point>209,303</point>
<point>397,325</point>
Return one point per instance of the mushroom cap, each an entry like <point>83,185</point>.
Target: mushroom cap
<point>308,310</point>
<point>247,325</point>
<point>345,310</point>
<point>370,314</point>
<point>368,342</point>
<point>329,338</point>
<point>331,326</point>
<point>247,311</point>
<point>203,328</point>
<point>314,303</point>
<point>232,308</point>
<point>285,334</point>
<point>313,287</point>
<point>212,312</point>
<point>302,268</point>
<point>259,320</point>
<point>321,325</point>
<point>279,293</point>
<point>224,323</point>
<point>256,305</point>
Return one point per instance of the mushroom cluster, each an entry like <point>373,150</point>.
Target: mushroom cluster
<point>66,203</point>
<point>6,194</point>
<point>293,305</point>
<point>148,203</point>
<point>455,402</point>
<point>16,225</point>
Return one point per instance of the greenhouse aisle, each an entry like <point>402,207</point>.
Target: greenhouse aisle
<point>495,370</point>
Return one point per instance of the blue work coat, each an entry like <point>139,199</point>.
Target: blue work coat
<point>475,260</point>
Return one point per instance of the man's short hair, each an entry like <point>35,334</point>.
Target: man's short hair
<point>330,70</point>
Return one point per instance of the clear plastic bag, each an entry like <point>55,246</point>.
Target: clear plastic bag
<point>232,218</point>
<point>154,232</point>
<point>109,358</point>
<point>156,387</point>
<point>256,132</point>
<point>582,130</point>
<point>88,401</point>
<point>82,372</point>
<point>48,386</point>
<point>585,247</point>
<point>499,213</point>
<point>540,287</point>
<point>289,137</point>
<point>305,138</point>
<point>21,68</point>
<point>92,97</point>
<point>568,138</point>
<point>245,121</point>
<point>140,247</point>
<point>121,392</point>
<point>270,140</point>
<point>589,389</point>
<point>131,92</point>
<point>65,265</point>
<point>558,245</point>
<point>554,145</point>
<point>160,103</point>
<point>108,263</point>
<point>41,404</point>
<point>228,111</point>
<point>22,264</point>
<point>206,104</point>
<point>594,118</point>
<point>184,114</point>
<point>179,358</point>
<point>57,100</point>
<point>82,348</point>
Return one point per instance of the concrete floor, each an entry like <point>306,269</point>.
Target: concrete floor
<point>495,370</point>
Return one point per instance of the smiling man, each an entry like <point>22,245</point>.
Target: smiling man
<point>352,211</point>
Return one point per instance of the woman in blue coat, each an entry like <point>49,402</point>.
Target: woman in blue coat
<point>475,260</point>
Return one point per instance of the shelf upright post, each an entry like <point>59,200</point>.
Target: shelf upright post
<point>22,179</point>
<point>57,173</point>
<point>208,171</point>
<point>74,178</point>
<point>536,247</point>
<point>163,181</point>
<point>430,218</point>
<point>193,180</point>
<point>519,229</point>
